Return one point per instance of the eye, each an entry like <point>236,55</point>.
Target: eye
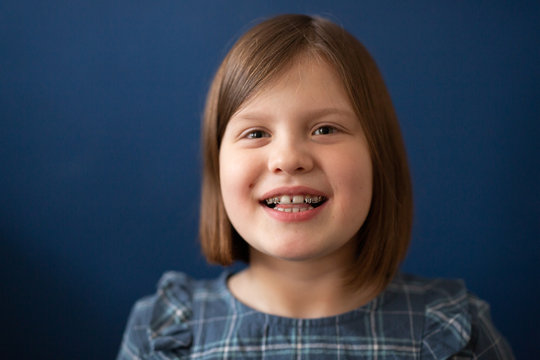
<point>325,130</point>
<point>256,134</point>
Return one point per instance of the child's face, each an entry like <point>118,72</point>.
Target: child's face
<point>297,141</point>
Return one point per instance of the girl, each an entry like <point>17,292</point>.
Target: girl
<point>306,180</point>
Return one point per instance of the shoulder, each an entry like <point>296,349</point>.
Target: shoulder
<point>161,321</point>
<point>456,323</point>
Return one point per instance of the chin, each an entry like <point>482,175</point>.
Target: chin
<point>294,253</point>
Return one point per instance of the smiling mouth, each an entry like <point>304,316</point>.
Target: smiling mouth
<point>294,203</point>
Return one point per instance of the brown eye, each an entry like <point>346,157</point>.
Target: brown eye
<point>257,134</point>
<point>325,130</point>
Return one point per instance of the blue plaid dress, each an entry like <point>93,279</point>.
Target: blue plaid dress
<point>413,318</point>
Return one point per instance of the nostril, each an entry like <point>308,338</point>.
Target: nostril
<point>290,160</point>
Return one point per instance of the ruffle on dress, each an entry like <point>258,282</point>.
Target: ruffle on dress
<point>447,327</point>
<point>414,317</point>
<point>169,325</point>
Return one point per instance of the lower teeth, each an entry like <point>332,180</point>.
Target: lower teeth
<point>293,210</point>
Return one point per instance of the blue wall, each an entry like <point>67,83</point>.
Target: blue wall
<point>99,165</point>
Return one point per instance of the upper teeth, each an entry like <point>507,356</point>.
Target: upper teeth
<point>296,199</point>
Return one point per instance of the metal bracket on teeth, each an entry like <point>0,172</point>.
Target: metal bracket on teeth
<point>307,200</point>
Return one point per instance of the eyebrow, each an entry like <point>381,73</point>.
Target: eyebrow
<point>317,113</point>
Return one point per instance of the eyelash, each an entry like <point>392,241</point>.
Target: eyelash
<point>321,130</point>
<point>332,130</point>
<point>252,134</point>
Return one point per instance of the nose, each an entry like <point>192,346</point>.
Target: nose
<point>290,156</point>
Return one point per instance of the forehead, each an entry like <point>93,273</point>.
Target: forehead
<point>307,81</point>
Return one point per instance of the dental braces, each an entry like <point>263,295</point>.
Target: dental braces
<point>307,200</point>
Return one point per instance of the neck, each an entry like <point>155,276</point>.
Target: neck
<point>298,289</point>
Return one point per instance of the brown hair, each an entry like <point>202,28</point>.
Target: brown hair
<point>258,57</point>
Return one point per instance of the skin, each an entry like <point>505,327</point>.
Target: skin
<point>297,135</point>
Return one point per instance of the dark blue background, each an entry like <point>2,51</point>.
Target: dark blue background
<point>100,104</point>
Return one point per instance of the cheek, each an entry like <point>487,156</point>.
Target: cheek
<point>230,183</point>
<point>237,173</point>
<point>228,176</point>
<point>353,182</point>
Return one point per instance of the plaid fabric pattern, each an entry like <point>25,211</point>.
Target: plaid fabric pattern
<point>413,318</point>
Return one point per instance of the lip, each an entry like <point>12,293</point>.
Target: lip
<point>290,217</point>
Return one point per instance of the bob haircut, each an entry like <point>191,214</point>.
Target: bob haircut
<point>261,55</point>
